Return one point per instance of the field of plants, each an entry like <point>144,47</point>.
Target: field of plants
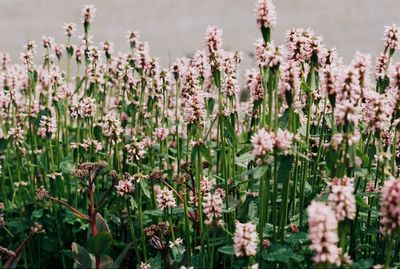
<point>110,161</point>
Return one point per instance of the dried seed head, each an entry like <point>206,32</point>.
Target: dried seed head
<point>41,193</point>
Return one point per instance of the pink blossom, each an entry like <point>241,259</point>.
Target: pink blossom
<point>245,239</point>
<point>165,199</point>
<point>322,231</point>
<point>266,14</point>
<point>124,186</point>
<point>263,143</point>
<point>341,198</point>
<point>390,206</point>
<point>392,37</point>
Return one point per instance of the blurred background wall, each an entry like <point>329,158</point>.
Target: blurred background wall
<point>175,28</point>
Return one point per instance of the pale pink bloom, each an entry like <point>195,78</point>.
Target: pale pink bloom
<point>263,143</point>
<point>69,28</point>
<point>213,40</point>
<point>362,63</point>
<point>142,56</point>
<point>392,37</point>
<point>341,198</point>
<point>322,231</point>
<point>268,54</point>
<point>194,109</point>
<point>86,108</point>
<point>135,150</point>
<point>390,206</point>
<point>283,140</point>
<point>47,42</point>
<point>207,184</point>
<point>87,143</point>
<point>289,84</point>
<point>212,208</point>
<point>47,126</point>
<point>302,44</point>
<point>245,239</point>
<point>254,83</point>
<point>377,110</point>
<point>347,112</point>
<point>329,57</point>
<point>88,13</point>
<point>144,265</point>
<point>394,76</point>
<point>165,199</point>
<point>124,187</point>
<point>112,127</point>
<point>265,14</point>
<point>161,133</point>
<point>133,38</point>
<point>175,243</point>
<point>381,66</point>
<point>371,188</point>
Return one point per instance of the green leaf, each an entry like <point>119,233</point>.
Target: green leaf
<point>294,238</point>
<point>100,243</point>
<point>228,250</point>
<point>82,257</point>
<point>144,185</point>
<point>260,171</point>
<point>66,166</point>
<point>120,258</point>
<point>279,253</point>
<point>101,224</point>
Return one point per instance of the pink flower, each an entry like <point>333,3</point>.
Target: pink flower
<point>160,133</point>
<point>381,65</point>
<point>165,199</point>
<point>112,127</point>
<point>341,198</point>
<point>245,239</point>
<point>125,186</point>
<point>265,14</point>
<point>390,206</point>
<point>283,140</point>
<point>69,28</point>
<point>47,126</point>
<point>392,37</point>
<point>263,143</point>
<point>88,13</point>
<point>322,231</point>
<point>302,44</point>
<point>214,45</point>
<point>269,55</point>
<point>212,208</point>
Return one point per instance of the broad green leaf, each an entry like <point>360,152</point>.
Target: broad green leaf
<point>82,257</point>
<point>100,243</point>
<point>228,250</point>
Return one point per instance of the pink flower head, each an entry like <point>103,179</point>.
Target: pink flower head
<point>124,187</point>
<point>69,28</point>
<point>47,126</point>
<point>381,66</point>
<point>268,54</point>
<point>341,198</point>
<point>263,143</point>
<point>390,206</point>
<point>165,199</point>
<point>88,13</point>
<point>245,239</point>
<point>212,208</point>
<point>161,133</point>
<point>392,37</point>
<point>214,45</point>
<point>322,231</point>
<point>283,140</point>
<point>265,14</point>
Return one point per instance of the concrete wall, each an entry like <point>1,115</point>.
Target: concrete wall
<point>176,27</point>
